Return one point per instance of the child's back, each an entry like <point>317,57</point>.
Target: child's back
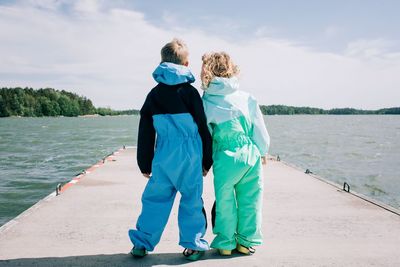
<point>174,145</point>
<point>239,140</point>
<point>233,116</point>
<point>174,113</point>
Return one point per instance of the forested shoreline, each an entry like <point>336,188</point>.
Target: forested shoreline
<point>29,102</point>
<point>290,110</point>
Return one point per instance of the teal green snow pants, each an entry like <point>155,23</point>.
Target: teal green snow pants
<point>238,185</point>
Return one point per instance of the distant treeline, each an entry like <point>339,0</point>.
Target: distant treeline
<point>27,102</point>
<point>289,110</point>
<point>111,112</point>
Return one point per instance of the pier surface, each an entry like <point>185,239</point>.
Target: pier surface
<point>306,222</point>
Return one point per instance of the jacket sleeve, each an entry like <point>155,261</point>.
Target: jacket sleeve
<point>209,123</point>
<point>260,134</point>
<point>146,138</point>
<point>197,111</point>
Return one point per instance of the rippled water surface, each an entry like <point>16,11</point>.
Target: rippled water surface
<point>38,153</point>
<point>363,151</point>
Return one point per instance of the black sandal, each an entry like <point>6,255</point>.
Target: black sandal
<point>192,255</point>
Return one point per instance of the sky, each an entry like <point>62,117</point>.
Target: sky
<point>325,54</point>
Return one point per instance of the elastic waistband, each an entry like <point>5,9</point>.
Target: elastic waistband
<point>231,143</point>
<point>177,138</point>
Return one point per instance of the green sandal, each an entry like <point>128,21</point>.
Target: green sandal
<point>192,255</point>
<point>138,252</point>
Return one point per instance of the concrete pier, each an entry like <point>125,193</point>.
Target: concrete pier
<point>306,222</point>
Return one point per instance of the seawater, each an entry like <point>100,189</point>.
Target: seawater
<point>38,153</point>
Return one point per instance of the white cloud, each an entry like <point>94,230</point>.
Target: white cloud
<point>265,31</point>
<point>369,49</point>
<point>108,55</point>
<point>331,32</point>
<point>169,18</point>
<point>44,4</point>
<point>87,6</point>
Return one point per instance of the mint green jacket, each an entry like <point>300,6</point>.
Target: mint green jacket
<point>233,116</point>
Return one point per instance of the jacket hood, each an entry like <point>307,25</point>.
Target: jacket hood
<point>172,74</point>
<point>222,86</point>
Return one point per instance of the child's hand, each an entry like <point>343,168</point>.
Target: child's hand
<point>205,172</point>
<point>264,160</point>
<point>147,175</point>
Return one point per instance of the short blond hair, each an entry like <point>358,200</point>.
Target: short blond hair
<point>175,51</point>
<point>217,64</point>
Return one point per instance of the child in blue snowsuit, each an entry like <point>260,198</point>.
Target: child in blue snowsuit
<point>174,150</point>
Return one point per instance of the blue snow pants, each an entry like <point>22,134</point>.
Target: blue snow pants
<point>176,167</point>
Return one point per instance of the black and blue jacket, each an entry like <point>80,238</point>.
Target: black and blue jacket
<point>173,110</point>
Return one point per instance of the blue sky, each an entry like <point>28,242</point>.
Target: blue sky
<point>304,53</point>
<point>325,25</point>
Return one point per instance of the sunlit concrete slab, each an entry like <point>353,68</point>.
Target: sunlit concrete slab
<point>306,222</point>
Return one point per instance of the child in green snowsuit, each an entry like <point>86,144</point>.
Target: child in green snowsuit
<point>240,144</point>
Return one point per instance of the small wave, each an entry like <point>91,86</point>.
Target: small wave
<point>373,177</point>
<point>48,159</point>
<point>375,190</point>
<point>353,154</point>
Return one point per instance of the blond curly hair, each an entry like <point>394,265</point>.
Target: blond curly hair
<point>217,64</point>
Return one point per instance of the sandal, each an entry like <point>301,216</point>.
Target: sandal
<point>192,255</point>
<point>245,250</point>
<point>138,252</point>
<point>225,252</point>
